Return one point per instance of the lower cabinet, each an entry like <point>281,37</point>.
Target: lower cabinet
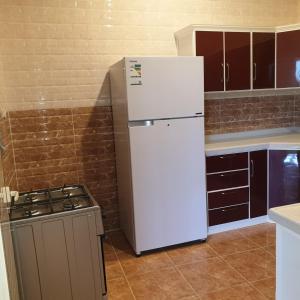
<point>60,258</point>
<point>284,177</point>
<point>228,188</point>
<point>240,192</point>
<point>258,183</point>
<point>237,184</point>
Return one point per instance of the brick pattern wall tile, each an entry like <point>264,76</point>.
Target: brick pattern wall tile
<point>255,113</point>
<point>66,146</point>
<point>7,157</point>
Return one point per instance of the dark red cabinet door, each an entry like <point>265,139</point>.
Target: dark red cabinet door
<point>288,59</point>
<point>284,177</point>
<point>210,45</point>
<point>258,183</point>
<point>263,60</point>
<point>237,60</point>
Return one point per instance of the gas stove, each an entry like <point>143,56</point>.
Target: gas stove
<point>49,201</point>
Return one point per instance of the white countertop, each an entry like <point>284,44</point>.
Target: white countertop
<point>287,216</point>
<point>289,141</point>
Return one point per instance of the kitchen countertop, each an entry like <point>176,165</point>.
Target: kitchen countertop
<point>287,141</point>
<point>287,216</point>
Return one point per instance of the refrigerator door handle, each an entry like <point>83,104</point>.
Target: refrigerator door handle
<point>144,123</point>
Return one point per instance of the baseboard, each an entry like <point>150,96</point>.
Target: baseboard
<point>237,224</point>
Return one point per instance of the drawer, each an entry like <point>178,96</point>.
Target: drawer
<point>227,162</point>
<point>226,198</point>
<point>228,214</point>
<point>227,180</point>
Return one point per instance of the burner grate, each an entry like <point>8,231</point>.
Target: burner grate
<point>49,201</point>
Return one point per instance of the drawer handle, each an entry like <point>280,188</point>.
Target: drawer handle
<point>229,192</point>
<point>252,168</point>
<point>228,209</point>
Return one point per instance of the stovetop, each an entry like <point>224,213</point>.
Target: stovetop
<point>49,201</point>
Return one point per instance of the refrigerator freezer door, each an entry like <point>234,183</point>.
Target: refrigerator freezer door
<point>168,170</point>
<point>164,87</point>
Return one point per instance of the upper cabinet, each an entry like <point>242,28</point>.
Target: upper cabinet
<point>226,59</point>
<point>288,59</point>
<point>212,50</point>
<point>263,49</point>
<point>237,61</point>
<point>244,59</point>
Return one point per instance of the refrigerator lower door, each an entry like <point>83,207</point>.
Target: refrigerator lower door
<point>168,176</point>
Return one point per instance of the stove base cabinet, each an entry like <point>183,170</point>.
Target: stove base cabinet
<point>60,257</point>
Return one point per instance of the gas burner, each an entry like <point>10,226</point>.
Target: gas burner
<point>72,204</point>
<point>30,213</point>
<point>67,191</point>
<point>49,201</point>
<point>69,205</point>
<point>32,197</point>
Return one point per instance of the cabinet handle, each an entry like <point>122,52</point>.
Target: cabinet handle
<point>228,73</point>
<point>254,71</point>
<point>228,209</point>
<point>222,77</point>
<point>252,168</point>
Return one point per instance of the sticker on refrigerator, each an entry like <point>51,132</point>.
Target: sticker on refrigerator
<point>135,74</point>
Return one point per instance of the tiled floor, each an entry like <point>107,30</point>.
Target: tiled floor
<point>236,265</point>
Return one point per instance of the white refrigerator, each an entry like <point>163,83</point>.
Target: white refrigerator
<point>158,112</point>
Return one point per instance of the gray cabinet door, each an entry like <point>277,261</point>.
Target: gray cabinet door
<point>84,248</point>
<point>26,261</point>
<point>53,260</point>
<point>60,258</point>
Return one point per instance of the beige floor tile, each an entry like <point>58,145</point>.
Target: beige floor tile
<point>112,265</point>
<point>271,249</point>
<point>254,264</point>
<point>113,270</point>
<point>210,275</point>
<point>162,284</point>
<point>230,243</point>
<point>191,253</point>
<point>146,263</point>
<point>263,234</point>
<point>249,251</point>
<point>118,289</point>
<point>240,292</point>
<point>266,287</point>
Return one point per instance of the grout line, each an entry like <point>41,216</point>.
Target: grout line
<point>259,248</point>
<point>123,271</point>
<point>180,273</point>
<point>246,280</point>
